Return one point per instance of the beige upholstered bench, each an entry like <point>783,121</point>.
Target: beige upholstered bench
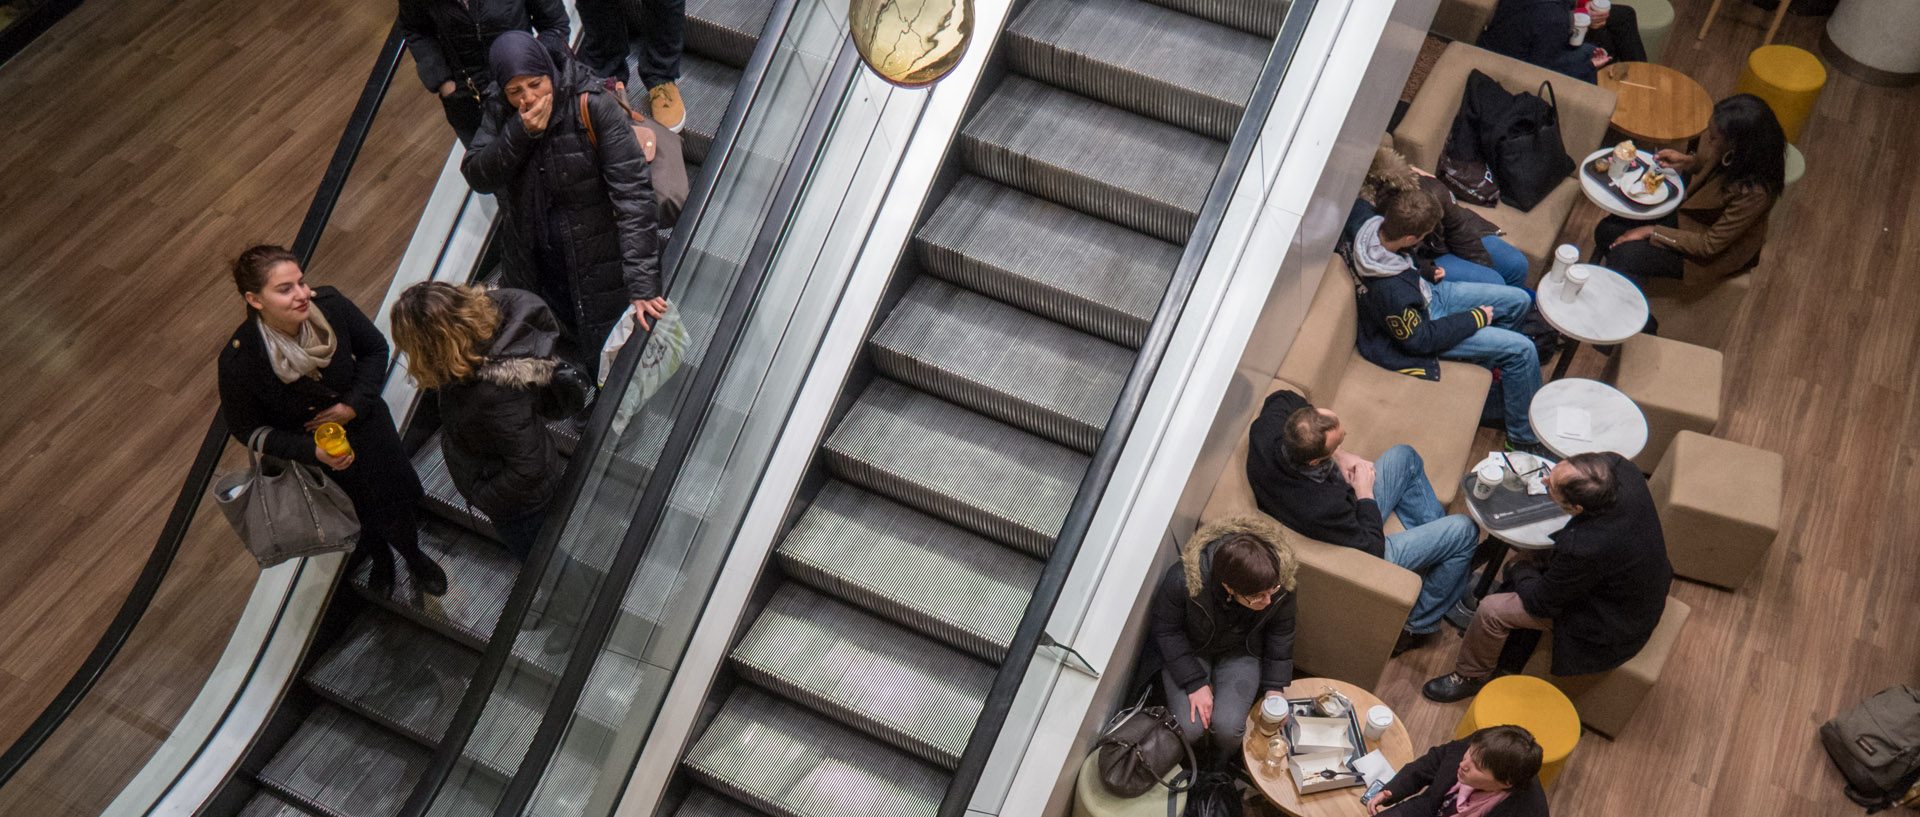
<point>1719,505</point>
<point>1607,700</point>
<point>1675,384</point>
<point>1463,20</point>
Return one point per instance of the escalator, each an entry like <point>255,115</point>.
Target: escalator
<point>855,686</point>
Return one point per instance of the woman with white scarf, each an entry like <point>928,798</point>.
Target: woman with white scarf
<point>308,356</point>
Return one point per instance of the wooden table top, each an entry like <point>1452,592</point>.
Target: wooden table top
<point>1277,784</point>
<point>1656,103</point>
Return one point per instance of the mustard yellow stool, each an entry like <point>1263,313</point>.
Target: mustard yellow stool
<point>1531,704</point>
<point>1789,79</point>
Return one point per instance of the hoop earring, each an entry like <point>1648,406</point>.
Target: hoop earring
<point>1727,160</point>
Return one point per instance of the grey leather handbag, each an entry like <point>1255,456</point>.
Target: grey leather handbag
<point>285,510</point>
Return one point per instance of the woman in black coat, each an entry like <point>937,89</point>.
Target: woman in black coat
<point>580,218</point>
<point>1493,772</point>
<point>305,357</point>
<point>490,355</point>
<point>449,40</point>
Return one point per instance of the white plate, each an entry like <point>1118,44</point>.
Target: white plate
<point>1658,195</point>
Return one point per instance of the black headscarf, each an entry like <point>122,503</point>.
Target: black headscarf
<point>518,54</point>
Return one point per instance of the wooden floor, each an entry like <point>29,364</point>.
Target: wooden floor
<point>1822,370</point>
<point>150,143</point>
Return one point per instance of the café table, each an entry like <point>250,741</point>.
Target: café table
<point>1535,535</point>
<point>1655,105</point>
<point>1616,424</point>
<point>1276,782</point>
<point>1610,200</point>
<point>1608,309</point>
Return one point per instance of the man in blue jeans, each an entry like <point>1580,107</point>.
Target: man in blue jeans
<point>1412,316</point>
<point>1302,478</point>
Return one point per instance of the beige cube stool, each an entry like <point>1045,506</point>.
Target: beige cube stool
<point>1676,385</point>
<point>1607,700</point>
<point>1719,505</point>
<point>1701,314</point>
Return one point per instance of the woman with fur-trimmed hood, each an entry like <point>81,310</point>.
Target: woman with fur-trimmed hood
<point>1220,627</point>
<point>1466,245</point>
<point>489,353</point>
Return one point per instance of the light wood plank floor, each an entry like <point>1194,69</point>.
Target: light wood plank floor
<point>1822,370</point>
<point>151,143</point>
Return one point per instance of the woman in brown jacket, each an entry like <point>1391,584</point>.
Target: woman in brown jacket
<point>1734,177</point>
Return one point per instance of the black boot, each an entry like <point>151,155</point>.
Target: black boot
<point>380,575</point>
<point>1452,687</point>
<point>427,575</point>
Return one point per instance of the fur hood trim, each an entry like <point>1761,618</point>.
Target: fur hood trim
<point>1266,529</point>
<point>1390,173</point>
<point>518,372</point>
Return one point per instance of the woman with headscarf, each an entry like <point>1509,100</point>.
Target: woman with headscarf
<point>580,222</point>
<point>308,356</point>
<point>449,40</point>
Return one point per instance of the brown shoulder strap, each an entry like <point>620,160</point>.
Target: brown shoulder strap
<point>587,120</point>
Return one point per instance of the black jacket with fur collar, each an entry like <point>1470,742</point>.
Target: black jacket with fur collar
<point>1188,617</point>
<point>499,452</point>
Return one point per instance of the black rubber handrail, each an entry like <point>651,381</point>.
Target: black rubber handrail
<point>200,476</point>
<point>500,642</point>
<point>689,418</point>
<point>1053,577</point>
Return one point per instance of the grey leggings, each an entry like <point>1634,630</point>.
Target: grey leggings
<point>1235,681</point>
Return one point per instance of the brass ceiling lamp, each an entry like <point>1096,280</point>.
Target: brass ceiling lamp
<point>911,43</point>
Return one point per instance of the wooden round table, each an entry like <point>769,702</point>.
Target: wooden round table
<point>1277,784</point>
<point>1657,105</point>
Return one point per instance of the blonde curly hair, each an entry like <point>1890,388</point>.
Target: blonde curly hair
<point>443,329</point>
<point>1390,173</point>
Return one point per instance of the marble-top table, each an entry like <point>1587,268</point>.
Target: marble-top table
<point>1616,425</point>
<point>1608,309</point>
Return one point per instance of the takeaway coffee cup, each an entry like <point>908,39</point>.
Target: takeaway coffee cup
<point>1379,718</point>
<point>1581,20</point>
<point>1564,256</point>
<point>1486,478</point>
<point>1576,278</point>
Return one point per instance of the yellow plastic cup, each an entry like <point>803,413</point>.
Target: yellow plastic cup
<point>331,438</point>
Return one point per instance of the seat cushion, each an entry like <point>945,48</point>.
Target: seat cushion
<point>1675,384</point>
<point>1607,700</point>
<point>1439,418</point>
<point>1700,314</point>
<point>1534,231</point>
<point>1584,108</point>
<point>1719,505</point>
<point>1462,20</point>
<point>1318,358</point>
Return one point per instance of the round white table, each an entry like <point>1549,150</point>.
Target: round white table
<point>1616,423</point>
<point>1608,199</point>
<point>1607,309</point>
<point>1535,535</point>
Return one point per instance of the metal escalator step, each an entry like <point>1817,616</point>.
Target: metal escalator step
<point>443,498</point>
<point>893,684</point>
<point>783,760</point>
<point>1014,366</point>
<point>726,30</point>
<point>975,472</point>
<point>1145,58</point>
<point>706,87</point>
<point>911,568</point>
<point>341,765</point>
<point>1262,17</point>
<point>265,804</point>
<point>1090,274</point>
<point>397,674</point>
<point>705,803</point>
<point>1093,157</point>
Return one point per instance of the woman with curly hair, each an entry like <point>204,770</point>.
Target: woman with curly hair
<point>1466,245</point>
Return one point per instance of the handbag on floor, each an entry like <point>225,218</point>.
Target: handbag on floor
<point>1876,745</point>
<point>1140,748</point>
<point>285,510</point>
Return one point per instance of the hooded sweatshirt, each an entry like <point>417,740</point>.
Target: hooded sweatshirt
<point>1397,331</point>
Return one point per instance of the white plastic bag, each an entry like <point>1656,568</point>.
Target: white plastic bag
<point>666,348</point>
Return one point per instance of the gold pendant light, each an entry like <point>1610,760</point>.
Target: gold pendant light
<point>911,43</point>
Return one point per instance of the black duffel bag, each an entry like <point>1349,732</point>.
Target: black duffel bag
<point>1528,156</point>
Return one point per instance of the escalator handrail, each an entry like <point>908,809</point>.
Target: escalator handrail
<point>500,642</point>
<point>690,416</point>
<point>1073,532</point>
<point>200,475</point>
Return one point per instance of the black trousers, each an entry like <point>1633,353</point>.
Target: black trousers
<point>1637,260</point>
<point>463,113</point>
<point>605,38</point>
<point>385,489</point>
<point>1621,35</point>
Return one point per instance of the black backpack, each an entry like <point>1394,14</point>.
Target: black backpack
<point>1519,137</point>
<point>1876,745</point>
<point>1214,795</point>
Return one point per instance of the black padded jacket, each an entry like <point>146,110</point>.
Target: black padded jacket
<point>449,38</point>
<point>499,452</point>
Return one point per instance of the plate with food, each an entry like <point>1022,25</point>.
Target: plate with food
<point>1648,187</point>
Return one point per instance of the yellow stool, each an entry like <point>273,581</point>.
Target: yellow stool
<point>1789,79</point>
<point>1531,704</point>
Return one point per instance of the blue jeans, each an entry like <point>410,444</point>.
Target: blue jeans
<point>1509,265</point>
<point>1496,347</point>
<point>1437,546</point>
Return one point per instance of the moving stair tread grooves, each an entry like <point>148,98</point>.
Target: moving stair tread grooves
<point>950,474</point>
<point>265,804</point>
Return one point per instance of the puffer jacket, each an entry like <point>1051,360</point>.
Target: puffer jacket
<point>449,38</point>
<point>499,451</point>
<point>599,200</point>
<point>1187,617</point>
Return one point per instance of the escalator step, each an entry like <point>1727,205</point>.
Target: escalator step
<point>396,674</point>
<point>1011,365</point>
<point>896,685</point>
<point>264,804</point>
<point>340,765</point>
<point>706,87</point>
<point>783,760</point>
<point>1145,58</point>
<point>1090,274</point>
<point>704,803</point>
<point>443,498</point>
<point>912,568</point>
<point>1093,157</point>
<point>726,30</point>
<point>970,470</point>
<point>1262,17</point>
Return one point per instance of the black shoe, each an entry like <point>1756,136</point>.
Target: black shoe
<point>1408,640</point>
<point>427,575</point>
<point>1452,687</point>
<point>1535,449</point>
<point>380,576</point>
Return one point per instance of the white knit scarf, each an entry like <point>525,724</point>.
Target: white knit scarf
<point>305,356</point>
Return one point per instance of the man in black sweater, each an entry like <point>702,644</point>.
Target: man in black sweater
<point>1302,478</point>
<point>1602,589</point>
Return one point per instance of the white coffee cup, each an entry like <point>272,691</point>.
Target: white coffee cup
<point>1598,8</point>
<point>1564,256</point>
<point>1576,278</point>
<point>1581,20</point>
<point>1486,478</point>
<point>1379,719</point>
